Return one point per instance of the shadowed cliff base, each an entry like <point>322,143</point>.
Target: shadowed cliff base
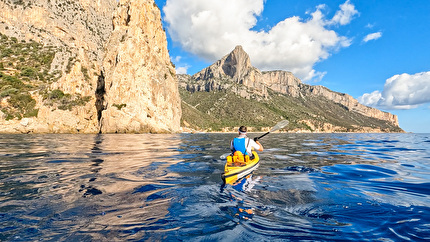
<point>100,98</point>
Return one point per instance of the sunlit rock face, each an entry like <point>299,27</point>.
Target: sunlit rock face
<point>139,74</point>
<point>111,53</point>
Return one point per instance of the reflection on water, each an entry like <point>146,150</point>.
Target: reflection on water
<point>75,186</point>
<point>167,187</point>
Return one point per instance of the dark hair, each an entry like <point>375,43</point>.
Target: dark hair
<point>242,129</point>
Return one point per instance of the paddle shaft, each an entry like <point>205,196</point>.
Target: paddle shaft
<point>279,125</point>
<point>263,135</point>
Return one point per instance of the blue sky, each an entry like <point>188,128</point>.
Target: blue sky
<point>377,51</point>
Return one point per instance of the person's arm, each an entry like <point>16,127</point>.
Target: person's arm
<point>256,145</point>
<point>261,146</point>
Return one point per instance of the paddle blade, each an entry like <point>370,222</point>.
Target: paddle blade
<point>280,125</point>
<point>223,156</point>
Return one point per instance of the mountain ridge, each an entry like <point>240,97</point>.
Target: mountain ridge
<point>234,73</point>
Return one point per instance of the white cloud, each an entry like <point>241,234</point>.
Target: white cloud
<point>370,26</point>
<point>177,58</point>
<point>345,14</point>
<point>372,36</point>
<point>403,91</point>
<point>211,29</point>
<point>182,69</point>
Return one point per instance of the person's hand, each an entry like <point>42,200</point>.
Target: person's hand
<point>256,139</point>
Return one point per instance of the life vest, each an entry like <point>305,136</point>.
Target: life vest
<point>240,156</point>
<point>239,145</point>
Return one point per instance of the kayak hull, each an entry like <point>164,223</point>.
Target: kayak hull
<point>234,173</point>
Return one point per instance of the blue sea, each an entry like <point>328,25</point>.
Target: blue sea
<point>148,187</point>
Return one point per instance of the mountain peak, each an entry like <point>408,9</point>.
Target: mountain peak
<point>237,63</point>
<point>239,51</point>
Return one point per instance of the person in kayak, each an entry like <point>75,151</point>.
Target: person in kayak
<point>245,144</point>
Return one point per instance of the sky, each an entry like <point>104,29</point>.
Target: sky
<point>377,51</point>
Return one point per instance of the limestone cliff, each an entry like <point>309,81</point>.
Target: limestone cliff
<point>235,73</point>
<point>110,65</point>
<point>138,73</point>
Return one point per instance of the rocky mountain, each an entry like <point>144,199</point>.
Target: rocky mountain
<point>85,67</point>
<point>223,90</point>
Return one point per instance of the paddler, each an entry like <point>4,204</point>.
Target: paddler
<point>244,144</point>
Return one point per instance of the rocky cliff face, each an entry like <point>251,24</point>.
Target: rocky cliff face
<point>111,53</point>
<point>235,72</point>
<point>138,73</point>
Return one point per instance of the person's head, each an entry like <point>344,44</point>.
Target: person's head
<point>242,130</point>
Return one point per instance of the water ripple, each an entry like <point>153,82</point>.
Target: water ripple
<point>310,187</point>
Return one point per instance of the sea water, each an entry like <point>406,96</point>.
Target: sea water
<point>313,187</point>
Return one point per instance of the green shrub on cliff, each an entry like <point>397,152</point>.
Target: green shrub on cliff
<point>6,80</point>
<point>119,106</point>
<point>56,95</point>
<point>64,101</point>
<point>27,59</point>
<point>24,67</point>
<point>20,106</point>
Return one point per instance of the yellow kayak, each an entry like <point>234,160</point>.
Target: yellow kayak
<point>232,172</point>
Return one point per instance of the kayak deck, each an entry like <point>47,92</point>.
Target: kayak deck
<point>233,173</point>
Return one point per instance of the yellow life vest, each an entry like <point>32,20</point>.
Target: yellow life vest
<point>238,159</point>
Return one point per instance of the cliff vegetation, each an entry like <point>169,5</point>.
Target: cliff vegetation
<point>25,70</point>
<point>225,110</point>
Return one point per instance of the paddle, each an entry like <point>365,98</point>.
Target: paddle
<point>278,126</point>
